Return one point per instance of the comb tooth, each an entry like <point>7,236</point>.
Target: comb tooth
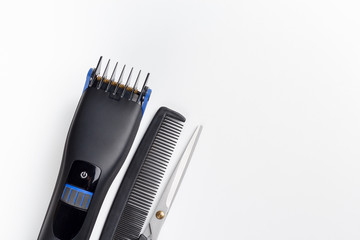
<point>172,121</point>
<point>127,82</point>
<point>152,154</point>
<point>143,180</point>
<point>146,176</point>
<point>168,134</point>
<point>135,85</point>
<point>172,126</point>
<point>119,80</point>
<point>112,78</point>
<point>156,151</point>
<point>141,196</point>
<point>144,189</point>
<point>166,138</point>
<point>96,72</point>
<point>104,75</point>
<point>157,156</point>
<point>163,148</point>
<point>157,163</point>
<point>165,143</point>
<point>155,170</point>
<point>143,88</point>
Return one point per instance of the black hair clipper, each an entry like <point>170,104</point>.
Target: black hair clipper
<point>100,137</point>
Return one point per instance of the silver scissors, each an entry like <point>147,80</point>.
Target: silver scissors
<point>152,230</point>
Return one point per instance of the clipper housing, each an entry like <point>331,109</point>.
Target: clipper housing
<point>100,136</point>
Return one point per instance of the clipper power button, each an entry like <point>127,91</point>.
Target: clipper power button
<point>83,175</point>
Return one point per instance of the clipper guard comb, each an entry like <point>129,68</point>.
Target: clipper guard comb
<point>100,136</point>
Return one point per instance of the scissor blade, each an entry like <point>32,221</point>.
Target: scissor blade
<point>179,172</point>
<point>162,209</point>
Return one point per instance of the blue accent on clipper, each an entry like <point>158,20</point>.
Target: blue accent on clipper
<point>78,189</point>
<point>88,76</point>
<point>71,194</point>
<point>82,200</point>
<point>146,99</point>
<point>87,205</point>
<point>76,197</point>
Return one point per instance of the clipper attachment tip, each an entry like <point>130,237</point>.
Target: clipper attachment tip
<point>112,78</point>
<point>135,86</point>
<point>118,90</point>
<point>104,75</point>
<point>95,73</point>
<point>127,83</point>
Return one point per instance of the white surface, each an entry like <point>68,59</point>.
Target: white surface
<point>275,84</point>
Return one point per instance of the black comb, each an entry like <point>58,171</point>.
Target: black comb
<point>141,182</point>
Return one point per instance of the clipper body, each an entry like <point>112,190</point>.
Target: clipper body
<point>100,137</point>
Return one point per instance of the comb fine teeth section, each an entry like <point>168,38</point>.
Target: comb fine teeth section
<point>148,181</point>
<point>118,89</point>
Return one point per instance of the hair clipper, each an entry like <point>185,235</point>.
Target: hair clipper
<point>100,136</point>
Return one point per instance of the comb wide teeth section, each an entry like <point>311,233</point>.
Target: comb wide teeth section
<point>115,85</point>
<point>148,181</point>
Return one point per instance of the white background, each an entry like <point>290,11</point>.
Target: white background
<point>275,84</point>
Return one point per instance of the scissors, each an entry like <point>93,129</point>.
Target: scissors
<point>152,230</point>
